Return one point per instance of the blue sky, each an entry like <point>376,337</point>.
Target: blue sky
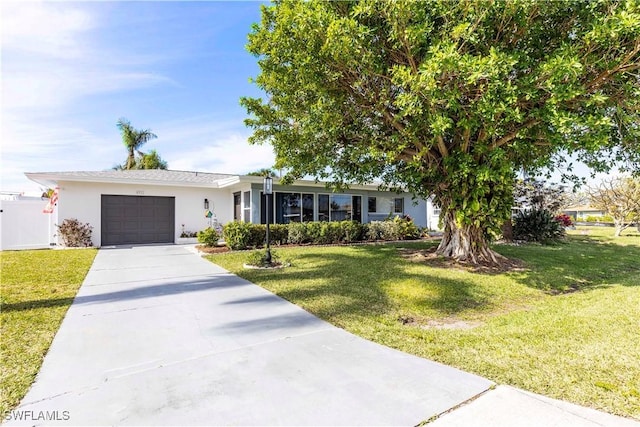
<point>70,70</point>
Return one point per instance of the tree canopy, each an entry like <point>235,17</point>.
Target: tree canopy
<point>133,139</point>
<point>261,172</point>
<point>151,160</point>
<point>448,98</point>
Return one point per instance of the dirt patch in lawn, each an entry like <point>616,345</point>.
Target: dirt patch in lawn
<point>446,323</point>
<point>428,256</point>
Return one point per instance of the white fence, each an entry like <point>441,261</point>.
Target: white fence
<point>24,226</point>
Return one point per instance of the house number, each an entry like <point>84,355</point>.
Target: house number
<point>140,192</point>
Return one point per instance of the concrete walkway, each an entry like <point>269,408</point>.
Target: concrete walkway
<point>159,336</point>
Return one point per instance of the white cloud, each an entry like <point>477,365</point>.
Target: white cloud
<point>60,57</point>
<point>49,146</point>
<point>52,57</point>
<point>207,144</point>
<point>48,29</point>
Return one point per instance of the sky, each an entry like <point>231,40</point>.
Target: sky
<point>70,70</point>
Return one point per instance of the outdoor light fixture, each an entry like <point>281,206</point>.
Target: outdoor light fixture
<point>206,203</point>
<point>268,185</point>
<point>268,191</point>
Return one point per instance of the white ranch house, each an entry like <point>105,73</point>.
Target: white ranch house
<point>157,206</point>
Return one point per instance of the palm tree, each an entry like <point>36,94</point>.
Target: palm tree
<point>151,160</point>
<point>261,172</point>
<point>133,139</point>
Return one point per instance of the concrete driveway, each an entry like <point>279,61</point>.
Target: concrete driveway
<point>159,336</point>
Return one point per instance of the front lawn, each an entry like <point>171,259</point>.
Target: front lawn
<point>565,325</point>
<point>37,289</point>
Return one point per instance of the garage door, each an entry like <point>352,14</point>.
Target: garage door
<point>137,220</point>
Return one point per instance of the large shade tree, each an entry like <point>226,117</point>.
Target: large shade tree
<point>447,98</point>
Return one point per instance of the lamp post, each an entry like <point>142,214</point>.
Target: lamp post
<point>268,191</point>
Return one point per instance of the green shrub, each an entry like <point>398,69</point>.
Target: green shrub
<point>397,228</point>
<point>376,230</point>
<point>243,235</point>
<point>75,234</point>
<point>406,229</point>
<point>383,230</point>
<point>278,233</point>
<point>258,235</point>
<point>314,230</point>
<point>352,231</point>
<point>298,233</point>
<point>208,237</point>
<point>537,226</point>
<point>330,232</point>
<point>258,257</point>
<point>237,235</point>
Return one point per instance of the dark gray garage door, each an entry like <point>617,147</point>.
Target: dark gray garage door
<point>137,220</point>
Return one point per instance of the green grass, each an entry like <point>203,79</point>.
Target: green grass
<point>566,326</point>
<point>37,289</point>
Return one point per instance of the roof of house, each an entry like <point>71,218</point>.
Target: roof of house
<point>142,176</point>
<point>163,177</point>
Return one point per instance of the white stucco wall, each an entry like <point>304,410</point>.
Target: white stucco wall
<point>24,226</point>
<point>433,216</point>
<point>82,201</point>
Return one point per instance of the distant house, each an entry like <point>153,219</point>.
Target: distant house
<point>580,213</point>
<point>156,206</point>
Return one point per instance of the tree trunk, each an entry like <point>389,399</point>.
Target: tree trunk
<point>507,231</point>
<point>620,226</point>
<point>466,243</point>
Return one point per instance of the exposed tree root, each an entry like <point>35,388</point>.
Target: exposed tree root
<point>467,244</point>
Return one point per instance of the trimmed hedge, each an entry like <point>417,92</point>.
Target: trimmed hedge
<point>603,218</point>
<point>241,235</point>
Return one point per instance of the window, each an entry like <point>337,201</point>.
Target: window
<point>372,205</point>
<point>287,208</point>
<point>398,205</point>
<point>307,207</point>
<point>247,206</point>
<point>264,209</point>
<point>236,206</point>
<point>356,202</point>
<point>323,207</point>
<point>293,207</point>
<point>339,207</point>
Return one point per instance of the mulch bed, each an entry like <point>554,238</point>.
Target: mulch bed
<point>429,257</point>
<point>212,250</point>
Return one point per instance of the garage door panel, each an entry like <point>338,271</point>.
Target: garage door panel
<point>137,219</point>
